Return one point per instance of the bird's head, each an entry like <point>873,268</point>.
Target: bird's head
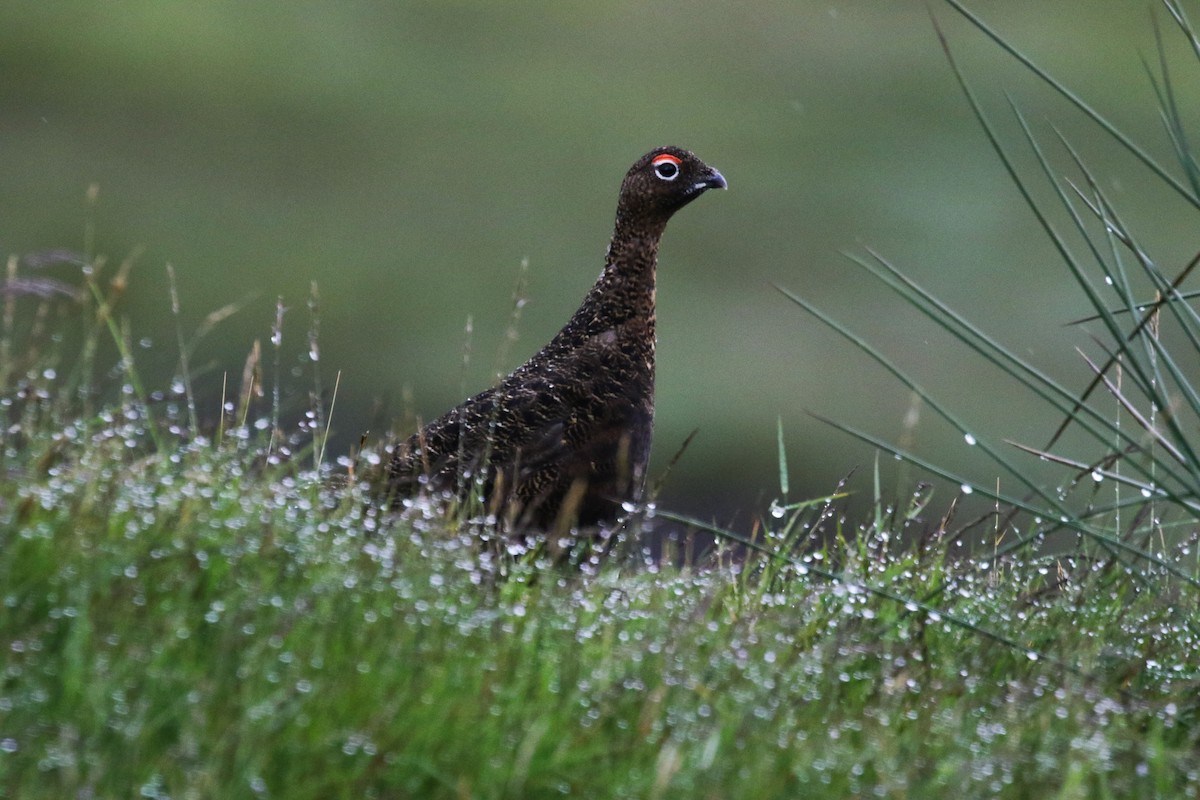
<point>663,181</point>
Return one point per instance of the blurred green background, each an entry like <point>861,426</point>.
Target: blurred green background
<point>408,156</point>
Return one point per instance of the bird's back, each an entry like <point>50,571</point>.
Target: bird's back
<point>564,439</point>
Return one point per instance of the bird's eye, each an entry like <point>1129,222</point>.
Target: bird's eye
<point>666,167</point>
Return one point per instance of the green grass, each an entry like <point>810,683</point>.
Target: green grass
<point>187,622</point>
<point>194,610</point>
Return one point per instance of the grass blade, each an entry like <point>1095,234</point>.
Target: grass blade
<point>1125,141</point>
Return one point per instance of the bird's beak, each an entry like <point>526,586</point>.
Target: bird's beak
<point>713,180</point>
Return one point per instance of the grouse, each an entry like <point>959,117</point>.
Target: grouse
<point>564,440</point>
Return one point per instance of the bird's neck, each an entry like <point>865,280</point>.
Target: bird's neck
<point>624,292</point>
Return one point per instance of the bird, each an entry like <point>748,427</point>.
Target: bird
<point>562,442</point>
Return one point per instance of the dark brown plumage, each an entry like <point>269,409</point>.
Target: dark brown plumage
<point>564,439</point>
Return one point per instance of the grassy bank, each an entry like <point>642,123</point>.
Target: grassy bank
<point>181,620</point>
